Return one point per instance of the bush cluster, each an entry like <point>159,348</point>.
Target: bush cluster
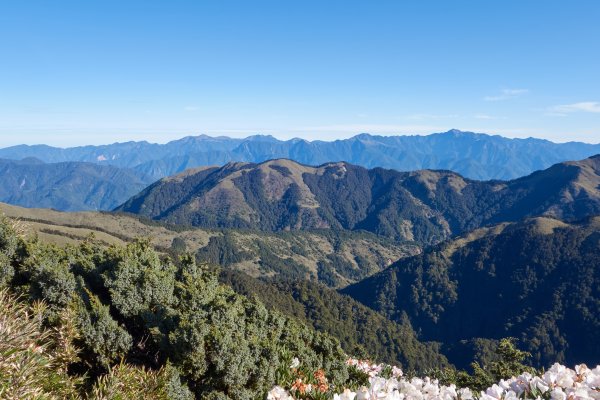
<point>132,308</point>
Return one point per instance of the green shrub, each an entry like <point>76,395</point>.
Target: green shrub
<point>131,307</point>
<point>9,241</point>
<point>105,340</point>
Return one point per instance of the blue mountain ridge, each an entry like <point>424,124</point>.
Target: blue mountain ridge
<point>473,155</point>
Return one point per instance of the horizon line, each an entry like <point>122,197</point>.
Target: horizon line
<point>272,136</point>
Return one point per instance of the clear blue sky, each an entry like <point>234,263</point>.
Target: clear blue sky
<point>75,72</point>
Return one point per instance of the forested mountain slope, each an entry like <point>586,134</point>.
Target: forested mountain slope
<point>424,206</point>
<point>537,280</point>
<point>360,330</point>
<point>67,186</point>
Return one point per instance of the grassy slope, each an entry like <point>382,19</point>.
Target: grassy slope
<point>337,258</point>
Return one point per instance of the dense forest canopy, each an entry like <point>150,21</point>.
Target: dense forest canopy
<point>537,280</point>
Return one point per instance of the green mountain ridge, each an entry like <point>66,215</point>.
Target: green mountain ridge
<point>422,206</point>
<point>67,186</point>
<point>537,280</point>
<point>506,258</point>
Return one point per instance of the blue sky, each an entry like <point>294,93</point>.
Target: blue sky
<point>77,72</point>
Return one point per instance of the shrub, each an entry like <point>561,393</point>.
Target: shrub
<point>33,360</point>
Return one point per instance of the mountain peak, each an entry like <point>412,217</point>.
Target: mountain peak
<point>261,138</point>
<point>458,133</point>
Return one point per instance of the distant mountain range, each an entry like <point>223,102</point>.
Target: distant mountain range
<point>423,206</point>
<point>537,280</point>
<point>473,155</point>
<point>67,186</point>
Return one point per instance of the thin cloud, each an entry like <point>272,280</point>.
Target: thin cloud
<point>507,94</point>
<point>584,106</point>
<point>371,128</point>
<point>484,116</point>
<point>191,108</point>
<point>420,117</point>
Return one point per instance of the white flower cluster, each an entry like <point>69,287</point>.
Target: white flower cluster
<point>558,383</point>
<point>404,389</point>
<point>373,370</point>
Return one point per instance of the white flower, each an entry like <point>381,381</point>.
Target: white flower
<point>560,375</point>
<point>295,363</point>
<point>558,394</point>
<point>279,393</point>
<point>581,394</point>
<point>539,384</point>
<point>395,395</point>
<point>581,369</point>
<point>504,384</point>
<point>558,383</point>
<point>495,392</point>
<point>396,372</point>
<point>362,394</point>
<point>510,395</point>
<point>593,378</point>
<point>465,394</point>
<point>377,385</point>
<point>486,397</point>
<point>347,395</point>
<point>448,392</point>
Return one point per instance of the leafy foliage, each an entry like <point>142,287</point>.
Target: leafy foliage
<point>104,339</point>
<point>508,362</point>
<point>8,247</point>
<point>129,307</point>
<point>124,381</point>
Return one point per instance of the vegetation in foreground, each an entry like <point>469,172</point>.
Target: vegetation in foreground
<point>36,361</point>
<point>90,322</point>
<point>506,379</point>
<point>132,309</point>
